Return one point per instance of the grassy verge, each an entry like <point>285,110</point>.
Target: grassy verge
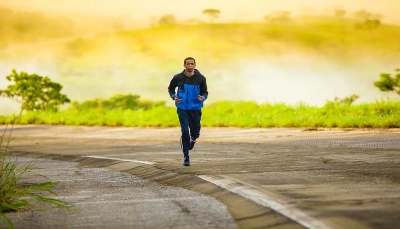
<point>17,196</point>
<point>381,114</point>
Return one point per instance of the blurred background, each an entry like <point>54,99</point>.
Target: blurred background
<point>289,51</point>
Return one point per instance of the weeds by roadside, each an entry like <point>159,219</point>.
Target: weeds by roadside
<point>14,195</point>
<point>339,113</point>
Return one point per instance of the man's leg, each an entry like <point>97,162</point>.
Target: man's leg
<point>185,138</point>
<point>195,126</point>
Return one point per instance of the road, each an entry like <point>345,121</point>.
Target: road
<point>266,178</point>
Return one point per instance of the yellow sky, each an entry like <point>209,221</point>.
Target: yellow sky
<point>231,9</point>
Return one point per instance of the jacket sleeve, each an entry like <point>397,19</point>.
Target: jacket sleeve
<point>203,89</point>
<point>172,86</point>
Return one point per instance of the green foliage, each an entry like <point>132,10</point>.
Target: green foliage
<point>14,195</point>
<point>34,92</point>
<point>118,101</point>
<point>389,83</point>
<point>381,114</point>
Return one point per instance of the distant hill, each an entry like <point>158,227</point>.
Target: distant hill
<point>329,36</point>
<point>22,27</point>
<point>340,39</point>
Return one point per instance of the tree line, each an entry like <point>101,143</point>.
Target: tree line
<point>366,19</point>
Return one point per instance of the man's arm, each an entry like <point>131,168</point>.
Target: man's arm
<point>203,89</point>
<point>171,88</point>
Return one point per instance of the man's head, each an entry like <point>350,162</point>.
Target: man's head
<point>189,63</point>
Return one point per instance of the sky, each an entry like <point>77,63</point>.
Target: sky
<point>230,10</point>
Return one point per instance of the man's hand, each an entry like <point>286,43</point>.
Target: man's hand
<point>200,98</point>
<point>177,100</point>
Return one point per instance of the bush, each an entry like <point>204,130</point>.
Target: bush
<point>119,101</point>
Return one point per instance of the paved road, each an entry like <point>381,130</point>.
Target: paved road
<point>266,178</point>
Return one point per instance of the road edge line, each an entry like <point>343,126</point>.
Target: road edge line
<point>285,209</point>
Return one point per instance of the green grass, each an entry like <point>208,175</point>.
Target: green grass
<point>249,114</point>
<point>381,114</point>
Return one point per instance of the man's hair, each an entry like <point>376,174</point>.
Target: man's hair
<point>189,58</point>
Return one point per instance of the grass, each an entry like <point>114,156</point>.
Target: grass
<point>17,196</point>
<point>381,114</point>
<point>248,114</point>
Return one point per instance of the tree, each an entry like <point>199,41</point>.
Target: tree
<point>389,83</point>
<point>370,20</point>
<point>212,14</point>
<point>168,19</point>
<point>34,92</point>
<point>339,12</point>
<point>362,14</point>
<point>278,17</point>
<point>153,21</point>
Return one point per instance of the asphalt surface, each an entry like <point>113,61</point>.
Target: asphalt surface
<point>239,178</point>
<point>105,198</point>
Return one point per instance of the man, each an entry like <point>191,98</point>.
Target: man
<point>189,98</point>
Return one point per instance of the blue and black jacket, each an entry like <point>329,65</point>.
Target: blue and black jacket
<point>188,90</point>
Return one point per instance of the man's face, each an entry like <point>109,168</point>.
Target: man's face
<point>190,65</point>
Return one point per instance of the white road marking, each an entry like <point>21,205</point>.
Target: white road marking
<point>263,199</point>
<point>283,208</point>
<point>120,159</point>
